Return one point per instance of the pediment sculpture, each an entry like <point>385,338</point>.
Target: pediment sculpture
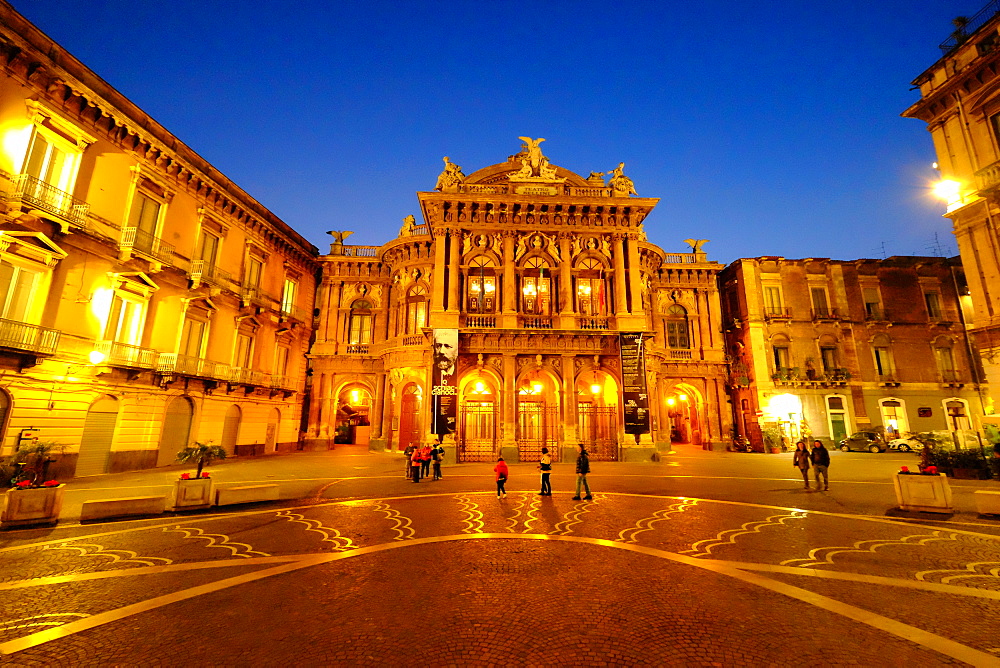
<point>621,184</point>
<point>534,165</point>
<point>452,177</point>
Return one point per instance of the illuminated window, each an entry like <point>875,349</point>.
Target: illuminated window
<point>416,309</point>
<point>125,320</point>
<point>17,286</point>
<point>360,328</point>
<point>145,218</point>
<point>591,293</point>
<point>821,305</point>
<point>772,300</point>
<point>481,284</point>
<point>893,417</point>
<point>780,355</point>
<point>52,161</point>
<point>536,283</point>
<point>677,327</point>
<point>288,295</point>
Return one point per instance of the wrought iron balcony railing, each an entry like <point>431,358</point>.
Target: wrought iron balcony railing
<point>252,294</point>
<point>887,378</point>
<point>777,312</point>
<point>825,313</point>
<point>970,25</point>
<point>282,382</point>
<point>126,355</point>
<point>146,243</point>
<point>950,376</point>
<point>197,367</point>
<point>208,272</point>
<point>875,313</point>
<point>22,336</point>
<point>41,195</point>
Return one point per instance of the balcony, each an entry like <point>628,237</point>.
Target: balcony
<point>593,323</point>
<point>31,338</point>
<point>355,251</point>
<point>951,378</point>
<point>135,240</point>
<point>825,313</point>
<point>357,349</point>
<point>244,376</point>
<point>127,356</point>
<point>293,312</point>
<point>681,354</point>
<point>988,178</point>
<point>536,322</point>
<point>414,340</point>
<point>282,382</point>
<point>481,321</point>
<point>874,313</point>
<point>196,367</point>
<point>252,294</point>
<point>888,379</point>
<point>40,195</point>
<point>943,318</point>
<point>777,313</point>
<point>203,271</point>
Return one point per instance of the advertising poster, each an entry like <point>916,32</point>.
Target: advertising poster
<point>634,395</point>
<point>444,381</point>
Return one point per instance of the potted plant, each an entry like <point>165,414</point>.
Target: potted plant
<point>32,498</point>
<point>772,439</point>
<point>970,465</point>
<point>191,493</point>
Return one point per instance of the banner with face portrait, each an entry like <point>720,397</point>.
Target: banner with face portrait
<point>444,381</point>
<point>634,392</point>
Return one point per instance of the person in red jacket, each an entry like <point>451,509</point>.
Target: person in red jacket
<point>425,460</point>
<point>502,472</point>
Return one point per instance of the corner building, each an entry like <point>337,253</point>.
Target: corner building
<point>539,270</point>
<point>146,301</point>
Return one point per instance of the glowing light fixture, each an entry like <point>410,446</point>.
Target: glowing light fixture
<point>595,388</point>
<point>480,388</point>
<point>355,396</point>
<point>682,397</point>
<point>948,190</point>
<point>536,388</point>
<point>671,401</point>
<point>96,357</point>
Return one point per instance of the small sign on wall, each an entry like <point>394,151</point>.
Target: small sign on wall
<point>27,438</point>
<point>924,411</point>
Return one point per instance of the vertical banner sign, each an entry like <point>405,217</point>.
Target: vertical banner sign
<point>444,381</point>
<point>634,395</point>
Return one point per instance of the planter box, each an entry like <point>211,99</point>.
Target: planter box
<point>24,507</point>
<point>100,509</point>
<point>987,501</point>
<point>192,494</point>
<point>926,493</point>
<point>228,496</point>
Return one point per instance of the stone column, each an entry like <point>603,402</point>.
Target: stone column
<point>634,274</point>
<point>319,381</point>
<point>570,405</point>
<point>376,419</point>
<point>509,406</point>
<point>454,262</point>
<point>438,287</point>
<point>509,281</point>
<point>566,301</point>
<point>328,410</point>
<point>618,257</point>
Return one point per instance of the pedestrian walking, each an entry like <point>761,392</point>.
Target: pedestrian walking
<point>582,469</point>
<point>437,454</point>
<point>545,466</point>
<point>800,460</point>
<point>820,458</point>
<point>415,465</point>
<point>425,460</point>
<point>408,461</point>
<point>502,472</point>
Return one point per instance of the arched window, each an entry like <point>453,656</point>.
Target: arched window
<point>360,330</point>
<point>481,285</point>
<point>416,309</point>
<point>676,325</point>
<point>536,284</point>
<point>591,295</point>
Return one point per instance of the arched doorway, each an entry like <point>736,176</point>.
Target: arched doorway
<point>176,432</point>
<point>537,417</point>
<point>477,422</point>
<point>598,417</point>
<point>271,436</point>
<point>231,429</point>
<point>958,414</point>
<point>409,415</point>
<point>683,418</point>
<point>98,433</point>
<point>353,406</point>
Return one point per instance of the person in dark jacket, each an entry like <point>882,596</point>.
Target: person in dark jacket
<point>582,469</point>
<point>545,466</point>
<point>502,472</point>
<point>800,460</point>
<point>437,454</point>
<point>408,454</point>
<point>820,457</point>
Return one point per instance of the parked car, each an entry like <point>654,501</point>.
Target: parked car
<point>872,441</point>
<point>967,439</point>
<point>904,445</point>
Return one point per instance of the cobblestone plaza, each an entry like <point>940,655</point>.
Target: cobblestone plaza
<point>370,569</point>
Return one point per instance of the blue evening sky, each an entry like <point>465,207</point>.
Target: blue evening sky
<point>771,128</point>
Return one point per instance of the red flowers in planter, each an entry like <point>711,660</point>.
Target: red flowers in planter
<point>205,474</point>
<point>930,470</point>
<point>904,469</point>
<point>185,476</point>
<point>50,483</point>
<point>23,484</point>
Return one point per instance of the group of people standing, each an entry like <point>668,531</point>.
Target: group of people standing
<point>419,460</point>
<point>502,472</point>
<point>818,458</point>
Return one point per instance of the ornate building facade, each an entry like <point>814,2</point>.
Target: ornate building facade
<point>538,272</point>
<point>829,347</point>
<point>147,301</point>
<point>960,102</point>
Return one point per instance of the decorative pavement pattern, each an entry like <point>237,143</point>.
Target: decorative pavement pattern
<point>467,579</point>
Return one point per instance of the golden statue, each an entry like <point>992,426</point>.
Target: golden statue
<point>621,184</point>
<point>534,151</point>
<point>408,224</point>
<point>450,178</point>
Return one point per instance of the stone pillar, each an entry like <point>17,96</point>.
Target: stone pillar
<point>618,257</point>
<point>509,407</point>
<point>631,243</point>
<point>319,380</point>
<point>570,405</point>
<point>566,302</point>
<point>328,410</point>
<point>438,285</point>
<point>454,260</point>
<point>509,280</point>
<point>376,418</point>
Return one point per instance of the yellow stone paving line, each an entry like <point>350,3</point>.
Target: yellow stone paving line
<point>348,502</point>
<point>146,570</point>
<point>913,634</point>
